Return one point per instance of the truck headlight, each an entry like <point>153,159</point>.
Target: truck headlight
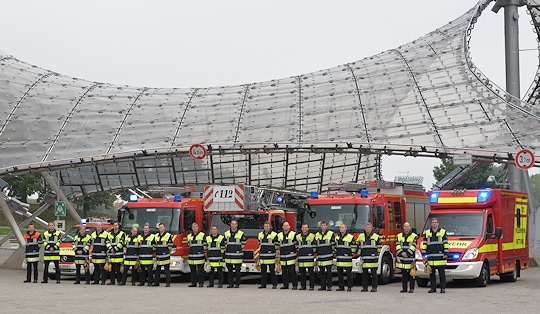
<point>471,254</point>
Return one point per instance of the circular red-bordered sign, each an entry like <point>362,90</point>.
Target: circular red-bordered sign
<point>197,151</point>
<point>524,159</point>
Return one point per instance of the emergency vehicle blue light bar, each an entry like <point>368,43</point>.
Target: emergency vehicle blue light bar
<point>133,198</point>
<point>434,197</point>
<point>364,193</point>
<point>83,221</point>
<point>314,194</point>
<point>483,196</point>
<point>177,197</point>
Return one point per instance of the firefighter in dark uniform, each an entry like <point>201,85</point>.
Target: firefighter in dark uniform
<point>81,247</point>
<point>370,246</point>
<point>405,248</point>
<point>100,246</point>
<point>163,243</point>
<point>234,256</point>
<point>196,256</point>
<point>33,240</point>
<point>435,245</point>
<point>268,242</point>
<point>132,244</point>
<point>287,256</point>
<point>146,256</point>
<point>116,251</point>
<point>216,248</point>
<point>51,243</point>
<point>325,256</point>
<point>306,256</point>
<point>345,248</point>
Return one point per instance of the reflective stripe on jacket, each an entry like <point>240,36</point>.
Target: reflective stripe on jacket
<point>268,243</point>
<point>406,243</point>
<point>370,246</point>
<point>235,242</point>
<point>435,245</point>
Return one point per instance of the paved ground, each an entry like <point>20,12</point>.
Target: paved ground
<point>498,297</point>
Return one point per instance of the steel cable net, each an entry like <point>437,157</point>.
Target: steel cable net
<point>424,98</point>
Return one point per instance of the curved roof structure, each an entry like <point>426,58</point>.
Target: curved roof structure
<point>424,98</point>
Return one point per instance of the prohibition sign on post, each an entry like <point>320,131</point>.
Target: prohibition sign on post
<point>524,159</point>
<point>197,151</point>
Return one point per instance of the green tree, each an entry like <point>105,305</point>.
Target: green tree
<point>475,180</point>
<point>91,202</point>
<point>25,185</point>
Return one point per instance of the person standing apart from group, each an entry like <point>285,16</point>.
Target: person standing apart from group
<point>51,244</point>
<point>268,242</point>
<point>435,245</point>
<point>370,246</point>
<point>32,240</point>
<point>405,248</point>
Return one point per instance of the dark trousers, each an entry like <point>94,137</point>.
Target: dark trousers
<point>407,278</point>
<point>167,269</point>
<point>264,274</point>
<point>115,272</point>
<point>78,274</point>
<point>326,276</point>
<point>99,273</point>
<point>146,274</point>
<point>289,274</point>
<point>234,276</point>
<point>341,281</point>
<point>365,277</point>
<point>219,270</point>
<point>303,277</point>
<point>29,267</point>
<point>134,274</point>
<point>197,274</point>
<point>442,277</point>
<point>46,270</point>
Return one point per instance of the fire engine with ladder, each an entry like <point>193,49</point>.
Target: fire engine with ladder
<point>251,206</point>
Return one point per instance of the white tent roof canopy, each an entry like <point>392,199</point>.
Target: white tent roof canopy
<point>424,98</point>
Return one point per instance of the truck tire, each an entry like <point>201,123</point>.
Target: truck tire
<point>422,282</point>
<point>512,276</point>
<point>386,271</point>
<point>483,278</point>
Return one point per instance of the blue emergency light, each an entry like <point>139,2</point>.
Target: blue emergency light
<point>177,197</point>
<point>83,221</point>
<point>133,197</point>
<point>483,196</point>
<point>280,199</point>
<point>364,193</point>
<point>434,197</point>
<point>314,194</point>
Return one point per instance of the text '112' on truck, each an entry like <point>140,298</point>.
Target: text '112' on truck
<point>386,205</point>
<point>487,234</point>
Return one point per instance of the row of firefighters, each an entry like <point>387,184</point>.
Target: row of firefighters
<point>117,252</point>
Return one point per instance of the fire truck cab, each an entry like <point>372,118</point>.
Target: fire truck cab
<point>251,207</point>
<point>387,205</point>
<point>176,212</point>
<point>487,234</point>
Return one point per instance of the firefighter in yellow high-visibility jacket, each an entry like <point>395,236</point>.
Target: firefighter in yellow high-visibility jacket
<point>235,241</point>
<point>435,245</point>
<point>163,244</point>
<point>370,246</point>
<point>81,247</point>
<point>345,248</point>
<point>405,248</point>
<point>196,256</point>
<point>51,243</point>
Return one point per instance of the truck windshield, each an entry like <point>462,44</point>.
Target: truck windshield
<point>355,216</point>
<point>69,236</point>
<point>251,225</point>
<point>138,217</point>
<point>459,224</point>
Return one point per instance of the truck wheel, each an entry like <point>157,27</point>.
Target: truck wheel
<point>386,271</point>
<point>422,282</point>
<point>483,278</point>
<point>510,277</point>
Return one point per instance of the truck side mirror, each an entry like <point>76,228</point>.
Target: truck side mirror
<point>498,232</point>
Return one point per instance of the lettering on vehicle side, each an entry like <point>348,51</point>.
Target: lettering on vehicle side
<point>459,244</point>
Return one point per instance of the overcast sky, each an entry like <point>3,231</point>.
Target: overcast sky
<point>213,43</point>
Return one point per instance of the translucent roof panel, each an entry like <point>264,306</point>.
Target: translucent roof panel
<point>424,98</point>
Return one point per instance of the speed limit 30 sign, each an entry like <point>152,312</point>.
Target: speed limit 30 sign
<point>524,159</point>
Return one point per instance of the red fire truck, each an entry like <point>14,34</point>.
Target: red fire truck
<point>251,207</point>
<point>386,205</point>
<point>487,234</point>
<point>176,212</point>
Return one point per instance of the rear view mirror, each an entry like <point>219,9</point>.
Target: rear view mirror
<point>498,232</point>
